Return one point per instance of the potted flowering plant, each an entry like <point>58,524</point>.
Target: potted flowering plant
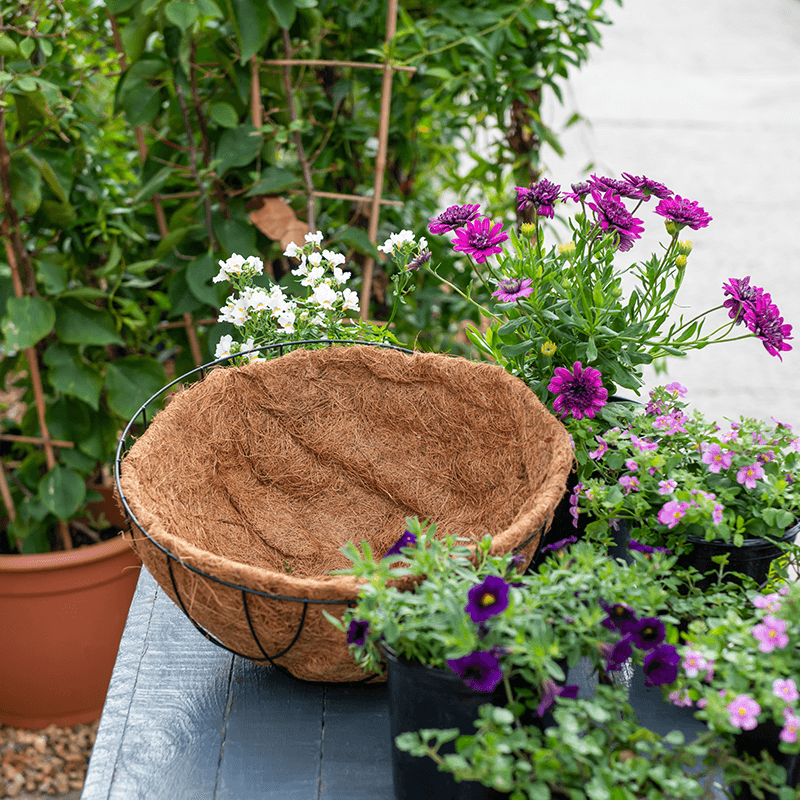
<point>680,481</point>
<point>740,669</point>
<point>576,320</point>
<point>451,620</point>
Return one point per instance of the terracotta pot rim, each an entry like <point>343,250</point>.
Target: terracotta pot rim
<point>45,562</point>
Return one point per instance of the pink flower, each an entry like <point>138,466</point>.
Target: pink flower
<point>667,486</point>
<point>602,449</point>
<point>643,445</point>
<point>771,634</point>
<point>630,483</point>
<point>749,475</point>
<point>676,390</point>
<point>631,465</point>
<point>716,514</point>
<point>785,690</point>
<point>672,512</point>
<point>694,663</point>
<point>772,602</point>
<point>743,712</point>
<point>680,699</point>
<point>716,459</point>
<point>791,726</point>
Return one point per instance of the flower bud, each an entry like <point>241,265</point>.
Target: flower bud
<point>685,247</point>
<point>567,250</point>
<point>549,348</point>
<point>670,226</point>
<point>527,228</point>
<point>680,261</point>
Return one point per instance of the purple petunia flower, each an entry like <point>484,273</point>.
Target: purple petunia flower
<point>650,633</point>
<point>551,690</point>
<point>646,548</point>
<point>408,539</point>
<point>488,598</point>
<point>560,544</point>
<point>480,239</point>
<point>771,634</point>
<point>613,217</point>
<point>749,475</point>
<point>453,218</point>
<point>743,711</point>
<point>480,671</point>
<point>646,187</point>
<point>684,213</point>
<point>621,618</point>
<point>764,319</point>
<point>542,195</point>
<point>357,632</point>
<point>742,296</point>
<point>661,665</point>
<point>580,392</point>
<point>619,653</point>
<point>510,289</point>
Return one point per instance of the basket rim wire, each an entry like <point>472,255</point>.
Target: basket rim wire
<point>131,519</point>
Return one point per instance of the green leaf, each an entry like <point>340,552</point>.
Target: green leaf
<point>26,185</point>
<point>71,375</point>
<point>284,11</point>
<point>237,148</point>
<point>254,24</point>
<point>209,8</point>
<point>77,323</point>
<point>274,180</point>
<point>152,186</point>
<point>28,320</point>
<point>131,381</point>
<point>141,104</point>
<point>51,275</point>
<point>224,114</point>
<point>181,13</point>
<point>62,491</point>
<point>235,236</point>
<point>118,6</point>
<point>199,276</point>
<point>357,239</point>
<point>514,350</point>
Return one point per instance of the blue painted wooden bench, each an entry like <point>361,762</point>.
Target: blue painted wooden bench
<point>186,720</point>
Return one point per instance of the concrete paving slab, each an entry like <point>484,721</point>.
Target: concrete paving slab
<point>705,97</point>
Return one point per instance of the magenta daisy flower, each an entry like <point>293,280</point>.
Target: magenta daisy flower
<point>580,392</point>
<point>510,289</point>
<point>480,239</point>
<point>579,191</point>
<point>613,217</point>
<point>646,187</point>
<point>453,218</point>
<point>684,213</point>
<point>764,319</point>
<point>742,296</point>
<point>542,195</point>
<point>622,188</point>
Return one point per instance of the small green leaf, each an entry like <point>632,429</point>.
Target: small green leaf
<point>254,24</point>
<point>181,13</point>
<point>71,375</point>
<point>28,320</point>
<point>274,180</point>
<point>77,323</point>
<point>357,239</point>
<point>237,148</point>
<point>235,236</point>
<point>199,276</point>
<point>131,381</point>
<point>62,491</point>
<point>224,114</point>
<point>284,11</point>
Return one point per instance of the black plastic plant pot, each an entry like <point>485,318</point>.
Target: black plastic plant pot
<point>766,736</point>
<point>427,697</point>
<point>753,558</point>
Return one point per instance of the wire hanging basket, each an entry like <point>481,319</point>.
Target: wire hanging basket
<point>242,490</point>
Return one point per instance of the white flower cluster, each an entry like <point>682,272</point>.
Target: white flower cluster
<point>252,302</point>
<point>238,267</point>
<point>227,346</point>
<point>402,241</point>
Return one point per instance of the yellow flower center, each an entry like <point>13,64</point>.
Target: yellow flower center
<point>487,598</point>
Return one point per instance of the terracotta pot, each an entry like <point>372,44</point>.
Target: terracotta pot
<point>62,615</point>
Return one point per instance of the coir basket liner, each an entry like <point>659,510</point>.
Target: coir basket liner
<point>252,479</point>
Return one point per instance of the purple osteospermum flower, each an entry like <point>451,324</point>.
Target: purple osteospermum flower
<point>542,195</point>
<point>771,634</point>
<point>646,187</point>
<point>357,632</point>
<point>765,321</point>
<point>649,634</point>
<point>480,671</point>
<point>613,217</point>
<point>487,599</point>
<point>421,258</point>
<point>453,218</point>
<point>551,690</point>
<point>622,188</point>
<point>619,653</point>
<point>620,618</point>
<point>579,191</point>
<point>561,544</point>
<point>510,289</point>
<point>743,711</point>
<point>785,690</point>
<point>408,539</point>
<point>741,297</point>
<point>580,392</point>
<point>661,665</point>
<point>480,239</point>
<point>749,475</point>
<point>684,213</point>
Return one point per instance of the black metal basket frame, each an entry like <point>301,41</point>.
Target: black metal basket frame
<point>171,558</point>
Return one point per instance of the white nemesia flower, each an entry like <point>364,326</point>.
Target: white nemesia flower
<point>422,244</point>
<point>324,296</point>
<point>235,311</point>
<point>315,237</point>
<point>302,267</point>
<point>350,300</point>
<point>258,300</point>
<point>314,276</point>
<point>315,259</point>
<point>233,266</point>
<point>286,320</point>
<point>249,345</point>
<point>333,258</point>
<point>395,240</point>
<point>291,250</point>
<point>340,276</point>
<point>254,265</point>
<point>224,346</point>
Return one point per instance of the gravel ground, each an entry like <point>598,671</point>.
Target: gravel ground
<point>44,764</point>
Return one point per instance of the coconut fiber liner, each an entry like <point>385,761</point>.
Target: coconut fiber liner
<point>259,474</point>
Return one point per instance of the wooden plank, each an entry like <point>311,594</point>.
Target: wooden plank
<point>171,743</point>
<point>120,691</point>
<point>273,737</point>
<point>356,746</point>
